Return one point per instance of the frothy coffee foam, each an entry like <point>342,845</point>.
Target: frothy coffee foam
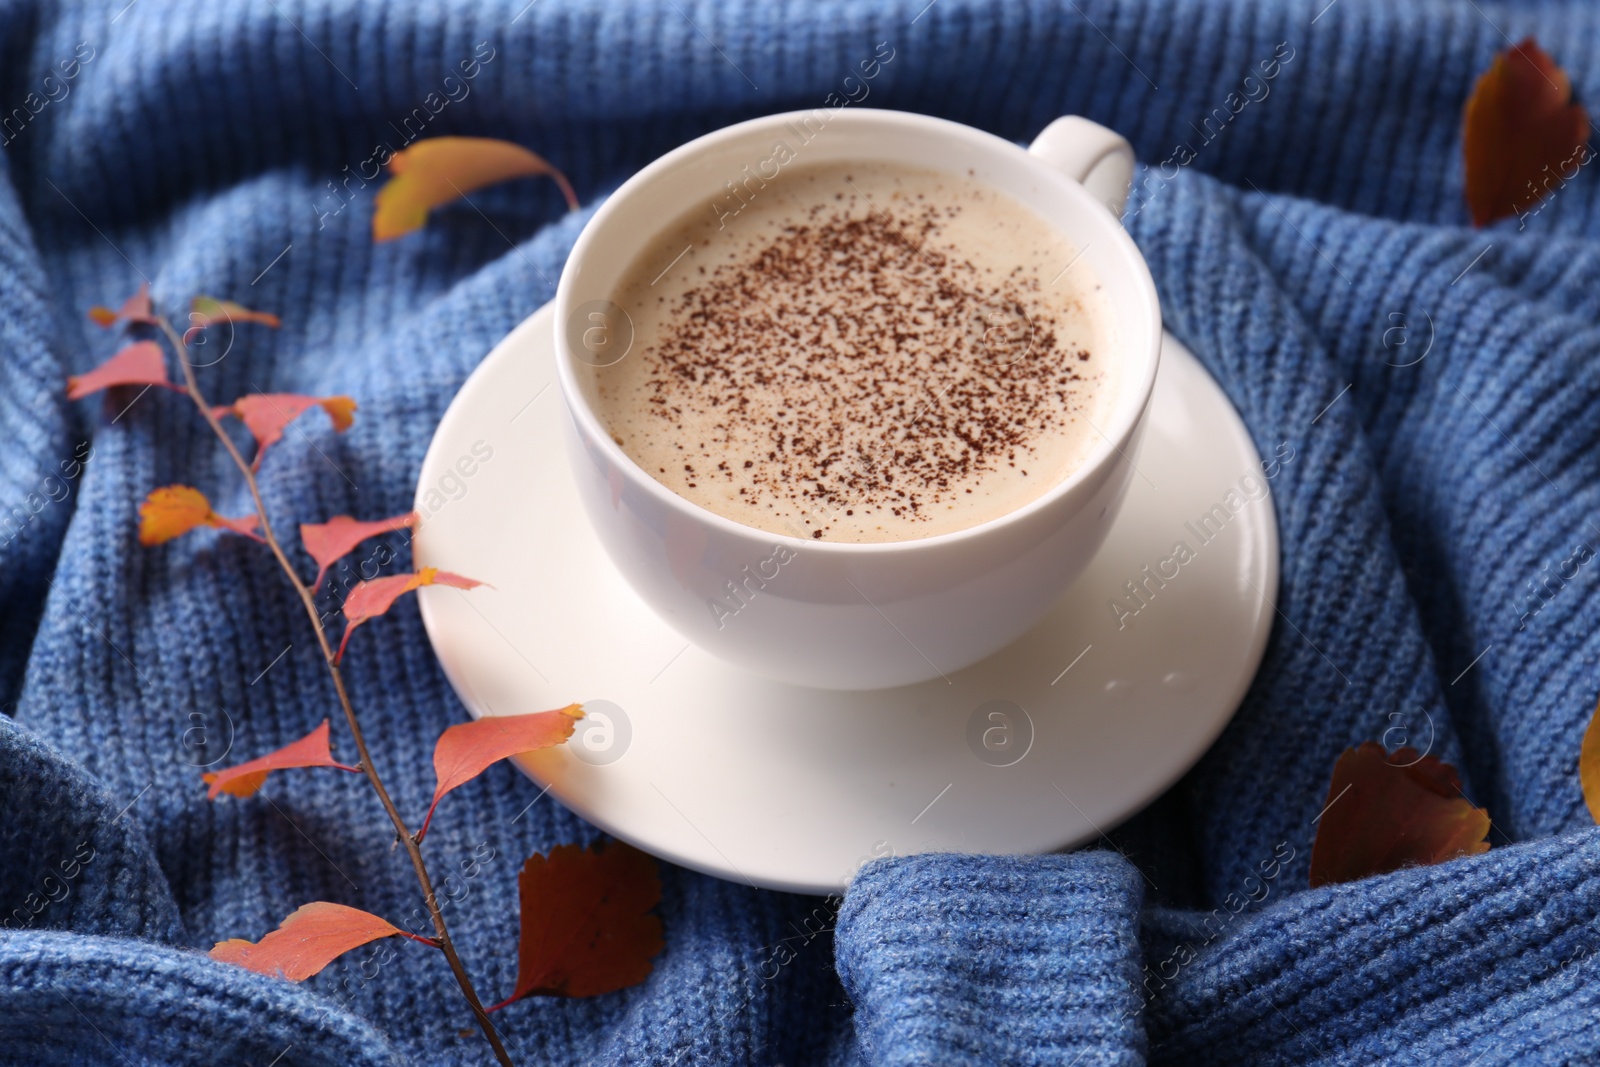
<point>861,353</point>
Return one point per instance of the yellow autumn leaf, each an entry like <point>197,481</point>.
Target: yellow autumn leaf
<point>174,510</point>
<point>438,170</point>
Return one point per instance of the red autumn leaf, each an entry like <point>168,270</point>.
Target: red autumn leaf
<point>247,778</point>
<point>136,308</point>
<point>586,922</point>
<point>141,363</point>
<point>437,170</point>
<point>372,598</point>
<point>1522,135</point>
<point>329,542</point>
<point>313,936</point>
<point>266,414</point>
<point>174,510</point>
<point>467,749</point>
<point>1387,811</point>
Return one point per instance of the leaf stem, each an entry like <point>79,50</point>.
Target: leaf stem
<point>434,941</point>
<point>413,850</point>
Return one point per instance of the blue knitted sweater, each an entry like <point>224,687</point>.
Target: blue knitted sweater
<point>1308,235</point>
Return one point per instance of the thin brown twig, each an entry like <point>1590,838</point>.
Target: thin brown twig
<point>413,849</point>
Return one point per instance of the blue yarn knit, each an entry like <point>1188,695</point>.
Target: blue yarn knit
<point>221,148</point>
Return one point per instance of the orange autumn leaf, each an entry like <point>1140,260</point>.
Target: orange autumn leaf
<point>1387,811</point>
<point>586,922</point>
<point>1521,133</point>
<point>266,415</point>
<point>1589,765</point>
<point>141,363</point>
<point>174,510</point>
<point>208,310</point>
<point>313,936</point>
<point>467,749</point>
<point>438,170</point>
<point>372,598</point>
<point>135,309</point>
<point>246,779</point>
<point>329,542</point>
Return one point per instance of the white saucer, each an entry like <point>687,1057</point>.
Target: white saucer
<point>790,788</point>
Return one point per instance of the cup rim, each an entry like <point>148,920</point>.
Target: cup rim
<point>1118,433</point>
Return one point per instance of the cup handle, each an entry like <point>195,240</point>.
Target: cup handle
<point>1091,155</point>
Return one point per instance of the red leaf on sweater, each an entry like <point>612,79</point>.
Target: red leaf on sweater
<point>372,598</point>
<point>174,510</point>
<point>467,749</point>
<point>1522,136</point>
<point>266,415</point>
<point>141,363</point>
<point>313,936</point>
<point>586,922</point>
<point>438,170</point>
<point>246,779</point>
<point>329,542</point>
<point>136,308</point>
<point>1387,811</point>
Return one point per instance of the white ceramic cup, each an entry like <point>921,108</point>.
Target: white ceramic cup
<point>832,614</point>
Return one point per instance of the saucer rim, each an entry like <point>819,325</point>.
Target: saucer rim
<point>542,321</point>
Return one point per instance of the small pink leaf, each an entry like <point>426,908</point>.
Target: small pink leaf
<point>245,779</point>
<point>141,363</point>
<point>467,749</point>
<point>266,414</point>
<point>329,542</point>
<point>135,309</point>
<point>372,598</point>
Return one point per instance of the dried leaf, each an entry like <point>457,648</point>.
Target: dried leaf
<point>1521,133</point>
<point>208,310</point>
<point>174,510</point>
<point>1387,811</point>
<point>586,922</point>
<point>329,542</point>
<point>1589,765</point>
<point>313,936</point>
<point>266,415</point>
<point>141,363</point>
<point>438,170</point>
<point>246,779</point>
<point>467,749</point>
<point>135,309</point>
<point>372,598</point>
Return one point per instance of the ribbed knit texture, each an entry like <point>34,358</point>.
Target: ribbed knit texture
<point>217,147</point>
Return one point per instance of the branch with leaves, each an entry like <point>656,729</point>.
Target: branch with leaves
<point>599,899</point>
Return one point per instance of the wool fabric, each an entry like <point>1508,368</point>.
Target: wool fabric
<point>1302,212</point>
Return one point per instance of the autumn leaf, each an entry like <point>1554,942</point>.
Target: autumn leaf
<point>438,170</point>
<point>141,363</point>
<point>1521,132</point>
<point>247,778</point>
<point>135,309</point>
<point>313,936</point>
<point>586,922</point>
<point>329,542</point>
<point>1387,811</point>
<point>372,598</point>
<point>467,749</point>
<point>1589,765</point>
<point>174,510</point>
<point>266,415</point>
<point>208,311</point>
